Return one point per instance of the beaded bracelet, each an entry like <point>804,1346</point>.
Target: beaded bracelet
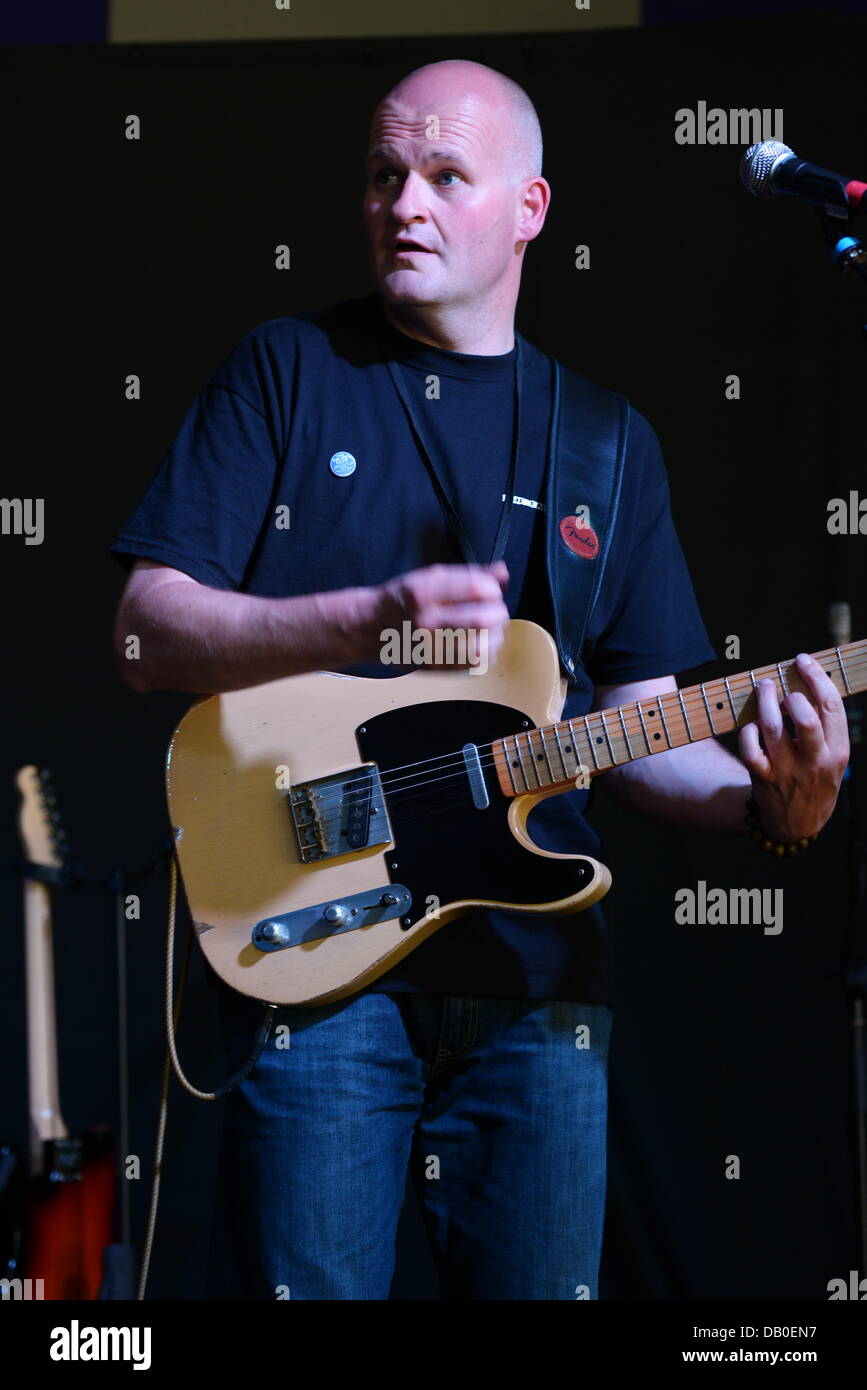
<point>778,847</point>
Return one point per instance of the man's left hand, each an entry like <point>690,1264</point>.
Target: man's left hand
<point>796,779</point>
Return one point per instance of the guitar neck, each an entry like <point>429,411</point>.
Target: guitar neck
<point>553,757</point>
<point>46,1121</point>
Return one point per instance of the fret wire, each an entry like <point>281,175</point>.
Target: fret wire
<point>664,722</point>
<point>685,716</point>
<point>625,731</point>
<point>509,766</point>
<point>547,756</point>
<point>643,725</point>
<point>731,701</point>
<point>560,749</point>
<point>782,678</point>
<point>532,759</point>
<point>843,670</point>
<point>521,761</point>
<point>589,738</point>
<point>575,752</point>
<point>608,738</point>
<point>707,710</point>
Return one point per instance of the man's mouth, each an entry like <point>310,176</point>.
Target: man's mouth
<point>398,246</point>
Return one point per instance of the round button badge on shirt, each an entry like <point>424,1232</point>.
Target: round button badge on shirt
<point>342,464</point>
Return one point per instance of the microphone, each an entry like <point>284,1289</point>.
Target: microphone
<point>770,169</point>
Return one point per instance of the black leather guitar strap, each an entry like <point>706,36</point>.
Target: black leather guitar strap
<point>587,446</point>
<point>586,449</point>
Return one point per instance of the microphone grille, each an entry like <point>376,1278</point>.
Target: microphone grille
<point>758,165</point>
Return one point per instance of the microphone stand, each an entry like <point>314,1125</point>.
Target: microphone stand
<point>845,250</point>
<point>856,958</point>
<point>855,961</point>
<point>850,255</point>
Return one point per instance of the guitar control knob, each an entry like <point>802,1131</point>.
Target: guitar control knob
<point>336,913</point>
<point>275,933</point>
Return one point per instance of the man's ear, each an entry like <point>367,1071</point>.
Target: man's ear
<point>535,201</point>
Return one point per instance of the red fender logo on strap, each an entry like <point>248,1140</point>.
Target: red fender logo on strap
<point>580,537</point>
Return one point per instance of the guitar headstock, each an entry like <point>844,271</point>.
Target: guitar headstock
<point>39,823</point>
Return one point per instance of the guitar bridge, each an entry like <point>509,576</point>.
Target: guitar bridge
<point>341,814</point>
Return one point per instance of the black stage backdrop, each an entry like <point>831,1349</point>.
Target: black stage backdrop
<point>153,257</point>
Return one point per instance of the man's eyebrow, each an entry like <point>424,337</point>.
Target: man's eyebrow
<point>383,152</point>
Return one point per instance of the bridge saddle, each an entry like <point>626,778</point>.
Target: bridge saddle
<point>340,814</point>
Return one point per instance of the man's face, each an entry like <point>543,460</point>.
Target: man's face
<point>436,177</point>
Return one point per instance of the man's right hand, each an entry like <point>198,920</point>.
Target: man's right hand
<point>439,596</point>
<point>191,637</point>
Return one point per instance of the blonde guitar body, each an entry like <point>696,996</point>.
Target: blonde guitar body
<point>301,807</point>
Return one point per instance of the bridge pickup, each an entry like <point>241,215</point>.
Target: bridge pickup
<point>340,814</point>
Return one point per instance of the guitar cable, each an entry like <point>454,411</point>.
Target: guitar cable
<point>172,1018</point>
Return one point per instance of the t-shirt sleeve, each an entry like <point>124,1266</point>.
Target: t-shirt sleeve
<point>650,624</point>
<point>205,509</point>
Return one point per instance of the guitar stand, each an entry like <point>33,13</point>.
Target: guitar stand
<point>119,1259</point>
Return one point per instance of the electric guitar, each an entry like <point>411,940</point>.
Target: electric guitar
<point>326,825</point>
<point>69,1219</point>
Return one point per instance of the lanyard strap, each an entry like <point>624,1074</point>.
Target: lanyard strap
<point>453,520</point>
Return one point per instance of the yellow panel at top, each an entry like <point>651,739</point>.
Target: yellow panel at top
<point>183,21</point>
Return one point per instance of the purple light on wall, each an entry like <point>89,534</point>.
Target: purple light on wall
<point>686,11</point>
<point>53,21</point>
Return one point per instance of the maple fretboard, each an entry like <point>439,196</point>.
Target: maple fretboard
<point>571,749</point>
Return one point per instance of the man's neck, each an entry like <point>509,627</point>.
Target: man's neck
<point>451,328</point>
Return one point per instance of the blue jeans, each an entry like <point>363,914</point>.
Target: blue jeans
<point>497,1107</point>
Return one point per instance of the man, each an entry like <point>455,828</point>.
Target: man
<point>479,1062</point>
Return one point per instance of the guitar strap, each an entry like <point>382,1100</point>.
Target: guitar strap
<point>586,450</point>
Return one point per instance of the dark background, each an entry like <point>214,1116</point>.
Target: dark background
<point>155,257</point>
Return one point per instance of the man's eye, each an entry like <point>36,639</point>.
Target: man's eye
<point>382,175</point>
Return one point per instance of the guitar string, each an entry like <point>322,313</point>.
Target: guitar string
<point>601,733</point>
<point>447,799</point>
<point>396,796</point>
<point>694,702</point>
<point>402,810</point>
<point>418,802</point>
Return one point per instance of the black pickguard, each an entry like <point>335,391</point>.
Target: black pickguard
<point>444,846</point>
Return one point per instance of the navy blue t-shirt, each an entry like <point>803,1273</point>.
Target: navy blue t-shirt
<point>261,436</point>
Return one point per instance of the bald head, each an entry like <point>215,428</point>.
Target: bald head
<point>480,92</point>
<point>453,194</point>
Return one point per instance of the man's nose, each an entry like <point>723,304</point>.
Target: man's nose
<point>411,201</point>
